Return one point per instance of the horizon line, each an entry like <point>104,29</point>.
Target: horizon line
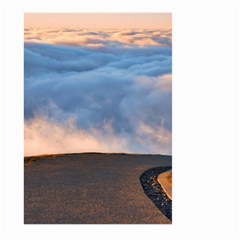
<point>107,153</point>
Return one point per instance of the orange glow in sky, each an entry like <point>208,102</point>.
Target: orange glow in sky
<point>99,20</point>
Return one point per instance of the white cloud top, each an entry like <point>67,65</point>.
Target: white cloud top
<point>104,38</point>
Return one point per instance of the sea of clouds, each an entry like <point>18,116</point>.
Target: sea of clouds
<point>97,90</point>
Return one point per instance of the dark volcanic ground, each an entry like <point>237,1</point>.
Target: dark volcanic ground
<point>90,188</point>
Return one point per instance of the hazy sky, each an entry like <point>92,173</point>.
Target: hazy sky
<point>99,20</point>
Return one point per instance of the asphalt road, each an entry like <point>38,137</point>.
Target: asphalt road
<point>90,188</point>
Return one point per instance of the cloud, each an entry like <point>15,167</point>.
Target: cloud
<point>84,37</point>
<point>109,98</point>
<point>44,136</point>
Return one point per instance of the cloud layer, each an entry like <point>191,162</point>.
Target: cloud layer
<point>107,91</point>
<point>99,38</point>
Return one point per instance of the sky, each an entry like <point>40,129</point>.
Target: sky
<point>106,89</point>
<point>99,20</point>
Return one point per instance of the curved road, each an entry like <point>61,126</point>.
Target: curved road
<point>90,188</point>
